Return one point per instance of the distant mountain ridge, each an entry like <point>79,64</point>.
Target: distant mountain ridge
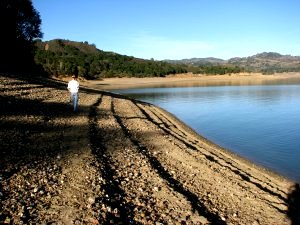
<point>266,62</point>
<point>199,61</point>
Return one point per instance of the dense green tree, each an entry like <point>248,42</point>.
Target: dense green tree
<point>20,25</point>
<point>65,57</point>
<point>215,69</point>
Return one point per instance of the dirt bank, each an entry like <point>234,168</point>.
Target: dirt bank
<point>191,80</point>
<point>120,161</point>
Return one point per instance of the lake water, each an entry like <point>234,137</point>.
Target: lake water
<point>259,122</point>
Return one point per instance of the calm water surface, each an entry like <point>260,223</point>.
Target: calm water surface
<point>258,122</point>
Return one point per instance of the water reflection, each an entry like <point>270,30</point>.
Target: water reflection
<point>216,82</point>
<point>259,94</point>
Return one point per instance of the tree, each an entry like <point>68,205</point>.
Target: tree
<point>20,25</point>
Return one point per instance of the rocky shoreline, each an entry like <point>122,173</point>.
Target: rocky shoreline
<point>121,161</point>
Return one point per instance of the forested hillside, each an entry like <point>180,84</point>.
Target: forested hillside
<point>63,57</point>
<point>208,66</point>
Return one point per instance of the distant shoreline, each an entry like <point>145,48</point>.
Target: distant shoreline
<point>181,80</point>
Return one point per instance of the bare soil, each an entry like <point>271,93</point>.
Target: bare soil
<point>121,161</point>
<point>185,80</point>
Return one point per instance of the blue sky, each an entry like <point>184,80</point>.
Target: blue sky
<point>176,29</point>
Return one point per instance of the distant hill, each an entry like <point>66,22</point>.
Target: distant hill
<point>266,62</point>
<point>64,57</point>
<point>199,61</point>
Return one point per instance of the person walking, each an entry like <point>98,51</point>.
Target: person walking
<point>73,87</point>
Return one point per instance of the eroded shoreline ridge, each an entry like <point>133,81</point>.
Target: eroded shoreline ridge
<point>121,161</point>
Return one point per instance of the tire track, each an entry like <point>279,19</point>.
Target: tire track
<point>279,205</point>
<point>118,210</point>
<point>154,200</point>
<point>164,174</point>
<point>214,157</point>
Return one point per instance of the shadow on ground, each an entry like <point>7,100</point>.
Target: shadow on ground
<point>294,205</point>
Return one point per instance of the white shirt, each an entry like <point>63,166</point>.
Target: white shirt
<point>73,86</point>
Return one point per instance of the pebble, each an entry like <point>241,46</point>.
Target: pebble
<point>91,200</point>
<point>7,220</point>
<point>203,220</point>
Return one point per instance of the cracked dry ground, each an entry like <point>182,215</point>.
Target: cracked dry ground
<point>120,161</point>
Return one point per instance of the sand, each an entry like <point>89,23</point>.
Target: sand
<point>183,80</point>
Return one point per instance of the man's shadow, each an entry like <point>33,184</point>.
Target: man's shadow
<point>294,205</point>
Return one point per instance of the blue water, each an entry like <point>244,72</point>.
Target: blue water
<point>260,123</point>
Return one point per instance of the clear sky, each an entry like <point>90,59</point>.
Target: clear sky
<point>176,29</point>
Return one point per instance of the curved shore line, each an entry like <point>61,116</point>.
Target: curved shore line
<point>119,160</point>
<point>227,151</point>
<point>184,80</point>
<point>195,133</point>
